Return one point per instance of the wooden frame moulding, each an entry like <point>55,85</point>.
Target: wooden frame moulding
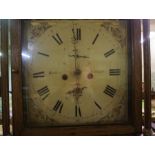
<point>147,77</point>
<point>134,127</point>
<point>5,78</point>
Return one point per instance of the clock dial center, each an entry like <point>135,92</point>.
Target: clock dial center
<point>77,72</point>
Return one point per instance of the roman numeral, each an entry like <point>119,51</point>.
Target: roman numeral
<point>38,75</point>
<point>95,39</point>
<point>58,106</point>
<point>43,54</point>
<point>97,105</point>
<point>107,54</point>
<point>77,111</point>
<point>114,72</point>
<point>110,91</point>
<point>77,33</point>
<point>43,92</point>
<point>57,39</point>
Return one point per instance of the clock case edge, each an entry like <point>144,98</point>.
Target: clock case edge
<point>133,127</point>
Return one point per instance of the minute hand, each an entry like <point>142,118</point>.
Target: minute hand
<point>78,56</point>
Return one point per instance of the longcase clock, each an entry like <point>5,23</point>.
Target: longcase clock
<point>76,77</point>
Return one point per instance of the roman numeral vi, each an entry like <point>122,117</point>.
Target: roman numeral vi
<point>77,111</point>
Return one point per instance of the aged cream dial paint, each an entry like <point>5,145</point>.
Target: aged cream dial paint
<point>76,72</point>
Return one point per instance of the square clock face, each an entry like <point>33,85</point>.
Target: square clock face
<point>75,72</point>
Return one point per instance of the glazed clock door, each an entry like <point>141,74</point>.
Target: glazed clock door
<point>76,77</point>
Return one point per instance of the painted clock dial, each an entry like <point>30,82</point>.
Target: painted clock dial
<point>75,72</point>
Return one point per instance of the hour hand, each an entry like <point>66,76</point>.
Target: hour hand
<point>78,56</point>
<point>77,91</point>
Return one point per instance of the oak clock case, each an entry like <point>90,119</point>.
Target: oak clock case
<point>75,74</point>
